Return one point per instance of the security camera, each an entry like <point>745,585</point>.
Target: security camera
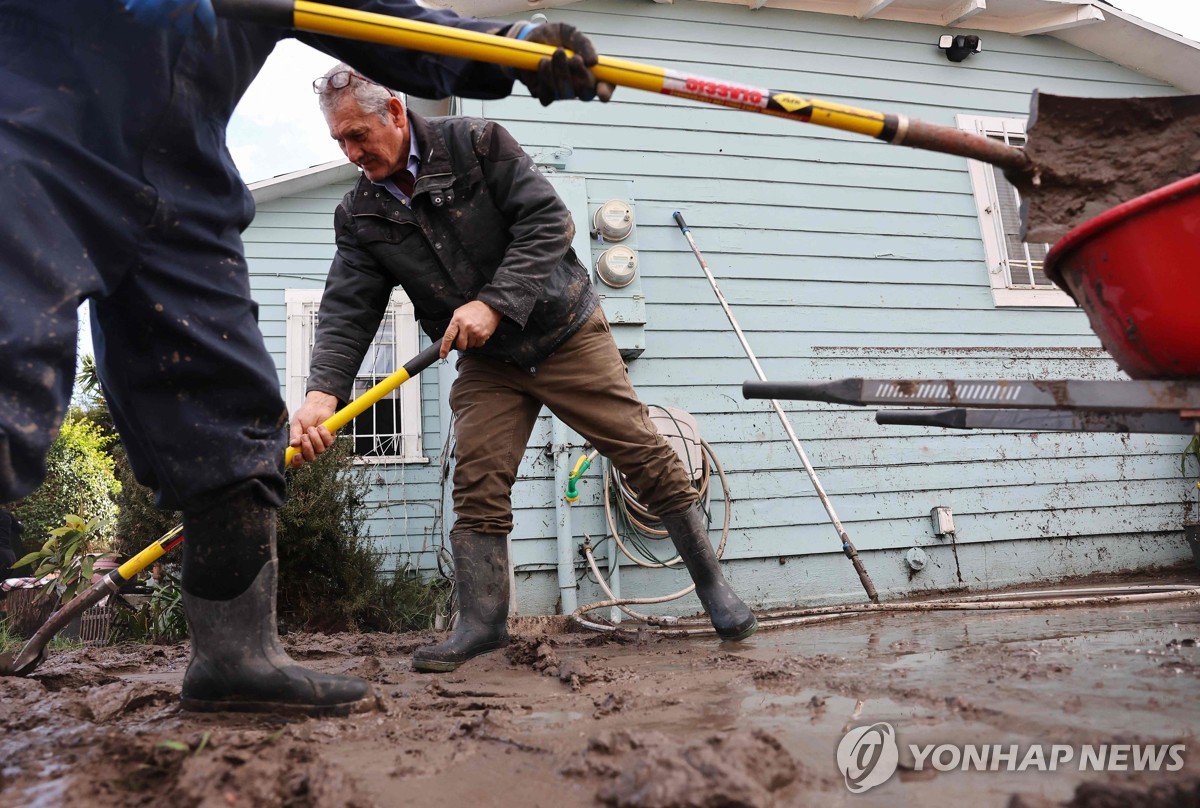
<point>959,47</point>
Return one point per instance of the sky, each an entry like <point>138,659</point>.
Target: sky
<point>277,128</point>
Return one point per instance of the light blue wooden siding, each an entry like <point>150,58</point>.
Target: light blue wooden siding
<point>289,246</point>
<point>841,256</point>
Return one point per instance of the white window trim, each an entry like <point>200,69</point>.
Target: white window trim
<point>983,188</point>
<point>300,305</point>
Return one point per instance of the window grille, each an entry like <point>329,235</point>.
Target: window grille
<point>390,431</point>
<point>1016,268</point>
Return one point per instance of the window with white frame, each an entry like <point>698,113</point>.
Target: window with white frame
<point>1014,267</point>
<point>390,431</point>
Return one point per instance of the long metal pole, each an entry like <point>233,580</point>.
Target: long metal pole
<point>847,545</point>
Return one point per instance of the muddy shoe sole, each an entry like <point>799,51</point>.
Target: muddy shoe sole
<point>431,665</point>
<point>363,705</point>
<point>741,635</point>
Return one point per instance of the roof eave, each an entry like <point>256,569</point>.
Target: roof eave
<point>306,179</point>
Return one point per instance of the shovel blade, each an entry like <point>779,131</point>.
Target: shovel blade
<point>34,652</point>
<point>11,666</point>
<point>1091,154</point>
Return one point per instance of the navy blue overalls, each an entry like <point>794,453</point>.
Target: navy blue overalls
<point>116,187</point>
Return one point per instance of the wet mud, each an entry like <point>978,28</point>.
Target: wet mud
<point>584,719</point>
<point>1095,153</point>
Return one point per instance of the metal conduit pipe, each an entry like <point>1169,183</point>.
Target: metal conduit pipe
<point>562,517</point>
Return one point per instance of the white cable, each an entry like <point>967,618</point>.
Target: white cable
<point>622,603</point>
<point>1040,599</point>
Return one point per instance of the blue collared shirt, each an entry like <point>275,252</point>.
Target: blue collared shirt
<point>413,166</point>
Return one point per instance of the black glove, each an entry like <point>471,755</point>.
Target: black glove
<point>558,77</point>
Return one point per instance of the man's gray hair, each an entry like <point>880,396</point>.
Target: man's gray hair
<point>371,97</point>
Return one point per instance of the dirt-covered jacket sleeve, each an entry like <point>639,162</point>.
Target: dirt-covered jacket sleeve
<point>541,227</point>
<point>424,74</point>
<point>352,306</point>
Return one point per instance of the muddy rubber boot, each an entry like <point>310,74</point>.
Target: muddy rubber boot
<point>238,663</point>
<point>732,618</point>
<point>481,584</point>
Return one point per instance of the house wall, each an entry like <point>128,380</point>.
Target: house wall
<point>840,256</point>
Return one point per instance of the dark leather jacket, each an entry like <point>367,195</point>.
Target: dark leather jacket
<point>484,225</point>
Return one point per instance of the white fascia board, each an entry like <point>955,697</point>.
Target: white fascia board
<point>305,179</point>
<point>1057,21</point>
<point>1137,44</point>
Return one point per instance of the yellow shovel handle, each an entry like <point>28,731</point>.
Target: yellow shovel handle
<point>169,540</point>
<point>384,29</point>
<point>321,18</point>
<point>361,404</point>
<point>366,26</point>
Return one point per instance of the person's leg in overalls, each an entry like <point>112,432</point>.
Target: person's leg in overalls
<point>117,190</point>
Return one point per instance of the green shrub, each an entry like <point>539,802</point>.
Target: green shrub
<point>80,479</point>
<point>331,577</point>
<point>158,619</point>
<point>10,640</point>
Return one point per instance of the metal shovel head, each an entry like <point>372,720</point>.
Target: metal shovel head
<point>33,653</point>
<point>9,667</point>
<point>1091,154</point>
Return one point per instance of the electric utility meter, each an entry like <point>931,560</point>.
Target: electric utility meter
<point>613,220</point>
<point>617,266</point>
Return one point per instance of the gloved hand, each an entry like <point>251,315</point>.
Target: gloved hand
<point>179,14</point>
<point>558,77</point>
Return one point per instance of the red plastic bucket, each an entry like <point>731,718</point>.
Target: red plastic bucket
<point>1135,270</point>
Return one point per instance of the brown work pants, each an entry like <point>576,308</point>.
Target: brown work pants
<point>586,385</point>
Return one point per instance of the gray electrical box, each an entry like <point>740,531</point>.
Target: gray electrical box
<point>607,206</point>
<point>943,520</point>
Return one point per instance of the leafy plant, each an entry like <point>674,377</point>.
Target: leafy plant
<point>1192,450</point>
<point>331,577</point>
<point>406,601</point>
<point>326,564</point>
<point>138,521</point>
<point>67,556</point>
<point>79,479</point>
<point>159,619</point>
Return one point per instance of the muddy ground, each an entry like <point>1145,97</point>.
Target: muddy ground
<point>583,719</point>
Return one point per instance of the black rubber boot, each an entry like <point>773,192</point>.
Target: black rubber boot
<point>238,663</point>
<point>732,618</point>
<point>481,584</point>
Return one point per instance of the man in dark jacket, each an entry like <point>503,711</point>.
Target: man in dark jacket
<point>455,212</point>
<point>118,189</point>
